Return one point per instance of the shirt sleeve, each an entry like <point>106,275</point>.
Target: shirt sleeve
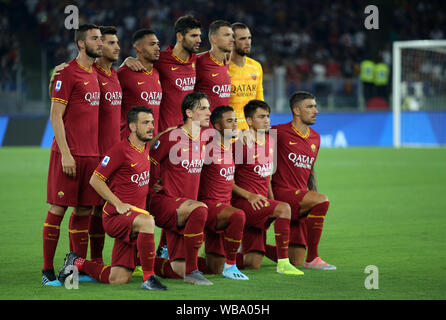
<point>109,164</point>
<point>62,88</point>
<point>259,93</point>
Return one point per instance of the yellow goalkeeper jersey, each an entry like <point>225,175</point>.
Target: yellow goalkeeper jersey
<point>246,85</point>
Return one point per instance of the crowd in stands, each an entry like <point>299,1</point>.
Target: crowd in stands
<point>314,40</point>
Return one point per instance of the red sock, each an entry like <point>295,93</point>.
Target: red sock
<point>164,270</point>
<point>233,235</point>
<point>203,266</point>
<point>193,237</point>
<point>146,248</point>
<point>282,233</point>
<point>315,223</point>
<point>239,261</point>
<point>271,252</point>
<point>98,271</point>
<point>50,237</point>
<point>97,236</point>
<point>78,231</point>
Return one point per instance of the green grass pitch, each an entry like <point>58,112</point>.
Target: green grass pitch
<point>387,209</point>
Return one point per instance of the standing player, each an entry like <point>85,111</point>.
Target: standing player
<point>212,70</point>
<point>74,152</point>
<point>122,179</point>
<point>254,164</point>
<point>108,126</point>
<point>224,224</point>
<point>141,87</point>
<point>176,67</point>
<point>178,158</point>
<point>294,181</point>
<point>246,74</point>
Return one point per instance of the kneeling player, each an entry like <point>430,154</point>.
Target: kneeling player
<point>224,225</point>
<point>251,190</point>
<point>126,168</point>
<point>294,182</point>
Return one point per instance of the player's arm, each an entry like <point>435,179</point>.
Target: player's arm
<point>257,201</point>
<point>134,64</point>
<point>101,187</point>
<point>312,181</point>
<point>259,92</point>
<point>56,117</point>
<point>56,71</point>
<point>152,142</point>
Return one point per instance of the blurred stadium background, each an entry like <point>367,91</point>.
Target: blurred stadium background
<point>318,46</point>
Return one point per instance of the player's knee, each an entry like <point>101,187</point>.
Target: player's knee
<point>322,198</point>
<point>199,213</point>
<point>283,210</point>
<point>144,223</point>
<point>57,210</point>
<point>120,277</point>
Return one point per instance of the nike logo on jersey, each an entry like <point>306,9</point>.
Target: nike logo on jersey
<point>133,164</point>
<point>255,156</point>
<point>104,83</point>
<point>292,143</point>
<point>140,83</point>
<point>174,68</point>
<point>86,82</point>
<point>215,74</point>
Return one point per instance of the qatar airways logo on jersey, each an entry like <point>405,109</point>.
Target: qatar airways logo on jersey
<point>93,98</point>
<point>193,166</point>
<point>185,84</point>
<point>228,173</point>
<point>114,98</point>
<point>301,160</point>
<point>223,91</point>
<point>152,98</point>
<point>264,170</point>
<point>244,90</point>
<point>141,179</point>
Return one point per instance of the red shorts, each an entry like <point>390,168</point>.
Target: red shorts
<point>257,222</point>
<point>164,210</point>
<point>63,190</point>
<point>119,226</point>
<point>298,225</point>
<point>213,239</point>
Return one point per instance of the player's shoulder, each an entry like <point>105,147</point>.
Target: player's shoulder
<point>282,127</point>
<point>252,62</point>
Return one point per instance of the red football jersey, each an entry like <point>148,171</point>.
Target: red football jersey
<point>296,155</point>
<point>139,89</point>
<point>213,79</point>
<point>127,170</point>
<point>109,109</point>
<point>180,160</point>
<point>217,176</point>
<point>77,87</point>
<point>177,80</point>
<point>253,171</point>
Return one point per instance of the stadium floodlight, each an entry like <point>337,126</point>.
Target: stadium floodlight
<point>418,85</point>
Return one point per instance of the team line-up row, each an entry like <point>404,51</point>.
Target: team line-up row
<point>117,147</point>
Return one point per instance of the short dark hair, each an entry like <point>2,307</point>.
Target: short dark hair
<point>132,114</point>
<point>108,30</point>
<point>186,23</point>
<point>216,25</point>
<point>80,33</point>
<point>298,97</point>
<point>217,114</point>
<point>139,34</point>
<point>190,101</point>
<point>238,25</point>
<point>250,108</point>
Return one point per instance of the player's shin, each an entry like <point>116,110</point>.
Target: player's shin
<point>193,237</point>
<point>50,236</point>
<point>146,248</point>
<point>233,236</point>
<point>282,235</point>
<point>315,223</point>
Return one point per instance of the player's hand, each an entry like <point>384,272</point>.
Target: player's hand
<point>69,165</point>
<point>123,208</point>
<point>157,187</point>
<point>134,64</point>
<point>257,201</point>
